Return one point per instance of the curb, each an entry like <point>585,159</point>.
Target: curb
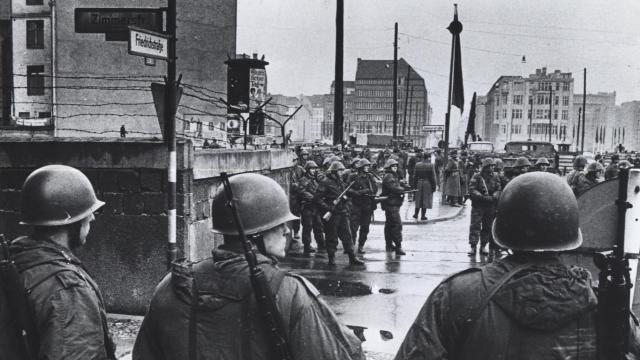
<point>425,222</point>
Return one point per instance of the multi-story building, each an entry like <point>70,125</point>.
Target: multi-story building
<point>600,117</point>
<point>5,62</point>
<point>314,131</point>
<point>348,91</point>
<point>92,86</point>
<point>301,124</point>
<point>628,120</point>
<point>537,107</point>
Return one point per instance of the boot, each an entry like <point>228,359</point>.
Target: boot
<point>353,260</point>
<point>415,214</point>
<point>389,248</point>
<point>399,251</point>
<point>424,213</point>
<point>360,249</point>
<point>322,250</point>
<point>473,250</point>
<point>332,259</point>
<point>307,251</point>
<point>483,250</point>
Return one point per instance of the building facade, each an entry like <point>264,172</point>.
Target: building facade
<point>5,63</point>
<point>348,98</point>
<point>602,128</point>
<point>628,120</point>
<point>538,107</point>
<point>92,86</point>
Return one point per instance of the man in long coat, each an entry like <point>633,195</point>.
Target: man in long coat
<point>452,186</point>
<point>424,176</point>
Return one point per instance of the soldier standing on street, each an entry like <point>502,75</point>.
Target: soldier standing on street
<point>207,310</point>
<point>526,306</point>
<point>311,217</point>
<point>612,170</point>
<point>65,303</point>
<point>499,170</point>
<point>393,189</point>
<point>363,202</point>
<point>338,226</point>
<point>521,166</point>
<point>411,165</point>
<point>542,164</point>
<point>576,178</point>
<point>294,202</point>
<point>484,191</point>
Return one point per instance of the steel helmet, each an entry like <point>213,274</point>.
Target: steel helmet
<point>522,161</point>
<point>487,162</point>
<point>595,167</point>
<point>390,163</point>
<point>310,164</point>
<point>261,202</point>
<point>543,161</point>
<point>579,161</point>
<point>362,163</point>
<point>498,162</point>
<point>354,162</point>
<point>336,166</point>
<point>537,211</point>
<point>56,195</point>
<point>304,152</point>
<point>328,160</point>
<point>624,164</point>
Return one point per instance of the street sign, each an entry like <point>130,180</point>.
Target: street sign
<point>114,22</point>
<point>148,43</point>
<point>157,91</point>
<point>432,128</point>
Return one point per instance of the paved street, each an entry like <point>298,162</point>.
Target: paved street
<point>385,296</point>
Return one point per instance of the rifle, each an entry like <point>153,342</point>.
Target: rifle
<point>614,286</point>
<point>338,200</point>
<point>262,291</point>
<point>17,303</point>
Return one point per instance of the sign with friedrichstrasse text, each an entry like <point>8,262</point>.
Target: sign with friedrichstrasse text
<point>148,44</point>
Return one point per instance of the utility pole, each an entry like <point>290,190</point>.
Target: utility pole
<point>584,109</point>
<point>410,106</point>
<point>550,110</point>
<point>578,132</point>
<point>338,118</point>
<point>527,113</point>
<point>395,82</point>
<point>406,101</point>
<point>170,119</point>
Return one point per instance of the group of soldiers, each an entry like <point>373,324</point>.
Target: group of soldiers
<point>527,305</point>
<point>336,200</point>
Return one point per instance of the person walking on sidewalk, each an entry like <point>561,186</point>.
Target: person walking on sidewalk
<point>311,218</point>
<point>484,190</point>
<point>424,176</point>
<point>363,202</point>
<point>453,186</point>
<point>338,225</point>
<point>393,189</point>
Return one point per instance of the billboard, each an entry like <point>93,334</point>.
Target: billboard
<point>257,84</point>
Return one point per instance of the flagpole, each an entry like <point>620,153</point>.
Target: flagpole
<point>455,28</point>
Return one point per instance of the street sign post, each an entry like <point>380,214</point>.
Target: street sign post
<point>148,43</point>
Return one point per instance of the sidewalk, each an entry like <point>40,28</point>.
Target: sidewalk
<point>437,213</point>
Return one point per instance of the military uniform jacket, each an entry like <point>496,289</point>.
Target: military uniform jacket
<point>363,190</point>
<point>331,186</point>
<point>212,302</point>
<point>66,305</point>
<point>306,189</point>
<point>392,189</point>
<point>578,182</point>
<point>484,189</point>
<point>546,311</point>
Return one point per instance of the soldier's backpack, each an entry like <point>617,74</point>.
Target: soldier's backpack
<point>17,339</point>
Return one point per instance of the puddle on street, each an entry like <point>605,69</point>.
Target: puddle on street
<point>340,288</point>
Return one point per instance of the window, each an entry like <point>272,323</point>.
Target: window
<point>497,100</point>
<point>44,114</point>
<point>556,101</point>
<point>565,101</point>
<point>530,100</point>
<point>538,113</point>
<point>211,126</point>
<point>24,114</point>
<point>34,2</point>
<point>517,99</point>
<point>566,86</point>
<point>555,114</point>
<point>565,114</point>
<point>504,128</point>
<point>35,34</point>
<point>516,113</point>
<point>497,114</point>
<point>35,80</point>
<point>504,113</point>
<point>557,86</point>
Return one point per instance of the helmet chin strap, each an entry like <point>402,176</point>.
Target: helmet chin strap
<point>258,240</point>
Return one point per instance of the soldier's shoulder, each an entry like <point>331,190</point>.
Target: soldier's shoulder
<point>301,283</point>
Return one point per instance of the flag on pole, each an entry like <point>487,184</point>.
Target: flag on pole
<point>471,124</point>
<point>457,91</point>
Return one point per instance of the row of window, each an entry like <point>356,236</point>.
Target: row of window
<point>541,99</point>
<point>543,85</point>
<point>538,129</point>
<point>540,114</point>
<point>41,114</point>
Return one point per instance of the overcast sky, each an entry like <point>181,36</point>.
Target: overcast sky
<point>298,39</point>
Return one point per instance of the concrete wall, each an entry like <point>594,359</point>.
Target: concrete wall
<point>125,252</point>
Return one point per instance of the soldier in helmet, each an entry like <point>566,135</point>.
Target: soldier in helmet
<point>499,170</point>
<point>206,310</point>
<point>338,226</point>
<point>542,164</point>
<point>311,217</point>
<point>65,304</point>
<point>526,306</point>
<point>363,202</point>
<point>521,166</point>
<point>594,173</point>
<point>612,170</point>
<point>484,191</point>
<point>576,178</point>
<point>393,189</point>
<point>297,172</point>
